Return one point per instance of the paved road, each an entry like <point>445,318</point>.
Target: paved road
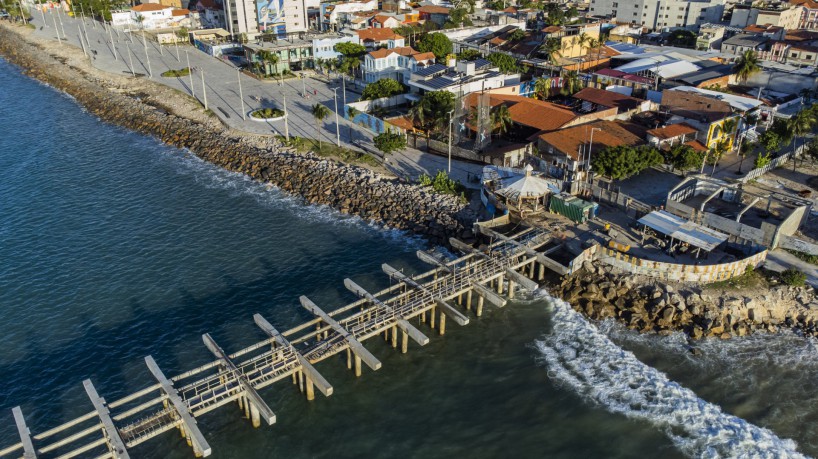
<point>122,53</point>
<point>779,259</point>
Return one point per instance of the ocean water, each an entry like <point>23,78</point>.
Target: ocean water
<point>114,247</point>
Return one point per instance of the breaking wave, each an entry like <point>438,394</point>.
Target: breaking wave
<point>580,357</point>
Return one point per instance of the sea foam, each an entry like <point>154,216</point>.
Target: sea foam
<point>581,358</point>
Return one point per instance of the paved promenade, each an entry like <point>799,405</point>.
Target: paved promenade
<point>218,80</point>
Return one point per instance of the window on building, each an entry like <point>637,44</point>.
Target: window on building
<point>794,55</point>
<point>808,56</point>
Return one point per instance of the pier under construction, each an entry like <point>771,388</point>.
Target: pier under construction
<point>403,313</point>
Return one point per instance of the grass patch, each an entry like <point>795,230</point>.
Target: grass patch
<point>441,183</point>
<point>812,259</point>
<point>329,150</point>
<point>176,73</point>
<point>265,113</point>
<point>752,278</point>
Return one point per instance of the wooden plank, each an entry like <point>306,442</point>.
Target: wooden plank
<point>466,248</point>
<point>25,434</point>
<point>323,386</point>
<point>426,258</point>
<point>489,295</point>
<point>200,446</point>
<point>523,281</point>
<point>453,313</point>
<point>253,396</point>
<point>114,441</point>
<point>528,250</point>
<point>402,323</point>
<point>356,346</point>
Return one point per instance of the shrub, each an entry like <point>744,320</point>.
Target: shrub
<point>441,183</point>
<point>265,113</point>
<point>176,73</point>
<point>793,277</point>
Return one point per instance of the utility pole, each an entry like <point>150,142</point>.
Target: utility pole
<point>337,125</point>
<point>190,74</point>
<point>42,14</point>
<point>62,26</point>
<point>204,89</point>
<point>93,21</point>
<point>59,40</point>
<point>25,21</point>
<point>344,90</point>
<point>176,44</point>
<point>241,96</point>
<point>147,58</point>
<point>130,58</point>
<point>451,122</point>
<point>113,46</point>
<point>286,121</point>
<point>590,147</point>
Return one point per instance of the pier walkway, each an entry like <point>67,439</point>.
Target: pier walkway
<point>110,429</point>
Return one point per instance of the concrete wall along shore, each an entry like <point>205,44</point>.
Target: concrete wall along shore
<point>349,189</point>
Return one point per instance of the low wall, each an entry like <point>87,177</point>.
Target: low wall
<point>678,272</point>
<point>775,163</point>
<point>799,245</point>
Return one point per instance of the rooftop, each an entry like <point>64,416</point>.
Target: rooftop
<point>609,134</point>
<point>746,40</point>
<point>672,131</point>
<point>608,99</point>
<point>537,114</point>
<point>377,34</point>
<point>150,7</point>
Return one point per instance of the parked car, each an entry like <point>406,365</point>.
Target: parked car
<point>4,14</point>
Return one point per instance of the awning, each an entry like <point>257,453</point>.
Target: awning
<point>683,230</point>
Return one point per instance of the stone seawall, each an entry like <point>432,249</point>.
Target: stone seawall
<point>657,307</point>
<point>349,189</point>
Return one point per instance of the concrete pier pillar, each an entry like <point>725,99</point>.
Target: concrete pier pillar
<point>301,381</point>
<point>432,318</point>
<point>442,323</point>
<point>510,288</point>
<point>349,359</point>
<point>357,366</point>
<point>404,344</point>
<point>468,300</point>
<point>246,408</point>
<point>241,403</point>
<point>295,378</point>
<point>479,305</point>
<point>542,272</point>
<point>394,336</point>
<point>254,416</point>
<point>460,299</point>
<point>500,284</point>
<point>310,389</point>
<point>182,431</point>
<point>423,317</point>
<point>531,269</point>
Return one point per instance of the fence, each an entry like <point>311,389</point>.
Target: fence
<point>678,272</point>
<point>775,163</point>
<point>620,199</point>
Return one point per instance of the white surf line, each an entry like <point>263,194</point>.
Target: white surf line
<point>580,357</point>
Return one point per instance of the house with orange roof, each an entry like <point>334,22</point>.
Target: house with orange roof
<point>396,63</point>
<point>153,16</point>
<point>384,21</point>
<point>434,13</point>
<point>373,38</point>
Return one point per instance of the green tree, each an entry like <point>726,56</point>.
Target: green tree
<point>183,33</point>
<point>746,66</point>
<point>385,87</point>
<point>517,35</point>
<point>319,112</point>
<point>432,110</point>
<point>542,88</point>
<point>469,54</point>
<point>762,160</point>
<point>501,119</point>
<point>436,43</point>
<point>770,141</point>
<point>348,49</point>
<point>571,83</point>
<point>552,48</point>
<point>269,58</point>
<point>504,62</point>
<point>458,17</point>
<point>716,152</point>
<point>625,161</point>
<point>685,157</point>
<point>388,142</point>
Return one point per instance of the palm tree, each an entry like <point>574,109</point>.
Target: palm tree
<point>553,48</point>
<point>319,112</point>
<point>542,88</point>
<point>593,43</point>
<point>746,65</point>
<point>716,152</point>
<point>352,112</point>
<point>418,114</point>
<point>800,125</point>
<point>572,83</point>
<point>501,119</point>
<point>728,127</point>
<point>582,40</point>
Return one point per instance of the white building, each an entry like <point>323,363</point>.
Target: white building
<point>336,16</point>
<point>151,16</point>
<point>463,78</point>
<point>324,47</point>
<point>787,18</point>
<point>395,63</point>
<point>662,13</point>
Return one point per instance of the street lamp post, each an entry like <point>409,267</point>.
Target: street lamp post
<point>25,21</point>
<point>113,46</point>
<point>344,90</point>
<point>190,74</point>
<point>241,96</point>
<point>147,58</point>
<point>59,40</point>
<point>286,121</point>
<point>204,89</point>
<point>130,58</point>
<point>451,122</point>
<point>176,45</point>
<point>337,125</point>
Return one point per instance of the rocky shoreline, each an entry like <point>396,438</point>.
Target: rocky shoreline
<point>650,306</point>
<point>350,189</point>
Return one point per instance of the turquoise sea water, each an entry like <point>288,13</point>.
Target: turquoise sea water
<point>114,247</point>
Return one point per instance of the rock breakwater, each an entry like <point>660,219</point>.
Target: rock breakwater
<point>658,307</point>
<point>349,189</point>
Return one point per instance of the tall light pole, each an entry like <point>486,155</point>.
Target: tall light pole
<point>130,59</point>
<point>451,123</point>
<point>147,58</point>
<point>190,74</point>
<point>241,96</point>
<point>42,14</point>
<point>344,90</point>
<point>59,40</point>
<point>286,121</point>
<point>337,125</point>
<point>303,86</point>
<point>204,89</point>
<point>62,27</point>
<point>113,46</point>
<point>176,45</point>
<point>25,21</point>
<point>590,147</point>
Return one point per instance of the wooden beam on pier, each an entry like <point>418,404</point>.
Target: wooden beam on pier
<point>426,258</point>
<point>402,323</point>
<point>528,250</point>
<point>253,397</point>
<point>25,434</point>
<point>453,313</point>
<point>112,438</point>
<point>523,281</point>
<point>466,248</point>
<point>486,293</point>
<point>358,348</point>
<point>323,386</point>
<point>197,440</point>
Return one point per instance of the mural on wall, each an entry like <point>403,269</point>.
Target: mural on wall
<point>271,16</point>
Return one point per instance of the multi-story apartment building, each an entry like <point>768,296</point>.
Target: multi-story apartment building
<point>809,14</point>
<point>660,14</point>
<point>785,17</point>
